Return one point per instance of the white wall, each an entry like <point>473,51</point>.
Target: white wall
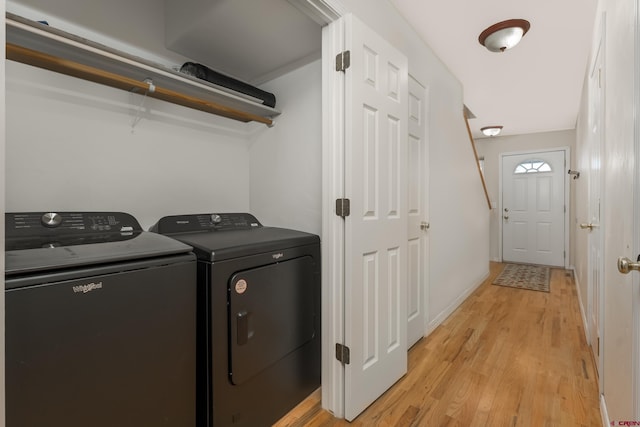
<point>459,213</point>
<point>70,146</point>
<point>286,160</point>
<point>491,148</point>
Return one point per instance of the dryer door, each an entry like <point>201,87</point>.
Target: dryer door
<point>271,314</point>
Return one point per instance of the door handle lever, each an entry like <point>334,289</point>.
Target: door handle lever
<point>424,226</point>
<point>589,226</point>
<point>625,265</point>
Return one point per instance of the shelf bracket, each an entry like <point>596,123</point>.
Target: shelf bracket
<point>138,111</point>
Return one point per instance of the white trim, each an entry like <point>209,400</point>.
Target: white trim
<point>567,198</point>
<point>444,314</point>
<point>426,114</point>
<point>327,13</point>
<point>636,215</point>
<point>600,51</point>
<point>332,226</point>
<point>603,412</point>
<point>583,312</point>
<point>322,12</point>
<point>426,204</point>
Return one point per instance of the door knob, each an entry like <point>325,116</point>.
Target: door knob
<point>506,217</point>
<point>625,265</point>
<point>424,226</point>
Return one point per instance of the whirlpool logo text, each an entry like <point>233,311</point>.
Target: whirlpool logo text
<point>87,288</point>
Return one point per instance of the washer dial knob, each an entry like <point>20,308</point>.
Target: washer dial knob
<point>51,219</point>
<point>216,219</point>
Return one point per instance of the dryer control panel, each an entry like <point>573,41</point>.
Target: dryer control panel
<point>205,222</point>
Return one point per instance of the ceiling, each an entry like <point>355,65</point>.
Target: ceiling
<point>534,87</point>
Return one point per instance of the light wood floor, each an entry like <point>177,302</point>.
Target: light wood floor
<point>506,357</point>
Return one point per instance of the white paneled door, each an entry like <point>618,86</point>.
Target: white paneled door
<point>376,87</point>
<point>533,208</point>
<point>418,245</point>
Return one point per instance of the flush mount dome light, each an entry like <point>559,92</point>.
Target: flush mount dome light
<point>491,130</point>
<point>504,35</point>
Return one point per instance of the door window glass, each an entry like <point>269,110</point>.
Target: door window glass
<point>532,166</point>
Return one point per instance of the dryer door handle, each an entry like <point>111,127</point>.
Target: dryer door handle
<point>242,327</point>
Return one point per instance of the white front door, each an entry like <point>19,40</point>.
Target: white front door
<point>533,208</point>
<point>418,244</point>
<point>376,89</point>
<point>594,224</point>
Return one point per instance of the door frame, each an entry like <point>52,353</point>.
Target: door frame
<point>567,198</point>
<point>636,222</point>
<point>333,226</point>
<point>598,60</point>
<point>424,201</point>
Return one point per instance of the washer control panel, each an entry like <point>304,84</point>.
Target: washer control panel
<point>25,224</point>
<point>205,222</point>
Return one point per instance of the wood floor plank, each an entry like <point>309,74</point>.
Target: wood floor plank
<point>505,357</point>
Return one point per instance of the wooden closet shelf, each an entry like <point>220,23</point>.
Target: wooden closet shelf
<point>71,68</point>
<point>38,45</point>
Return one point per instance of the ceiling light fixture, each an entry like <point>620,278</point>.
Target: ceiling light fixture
<point>491,130</point>
<point>504,35</point>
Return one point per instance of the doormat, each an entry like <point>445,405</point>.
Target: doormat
<point>523,276</point>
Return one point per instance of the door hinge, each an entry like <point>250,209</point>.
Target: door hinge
<point>343,207</point>
<point>343,60</point>
<point>342,353</point>
<point>598,348</point>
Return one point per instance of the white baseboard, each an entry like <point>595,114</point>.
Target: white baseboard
<point>603,406</point>
<point>437,321</point>
<point>603,412</point>
<point>583,312</point>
